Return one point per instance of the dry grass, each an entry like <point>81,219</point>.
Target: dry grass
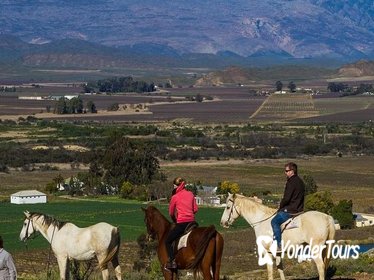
<point>346,177</point>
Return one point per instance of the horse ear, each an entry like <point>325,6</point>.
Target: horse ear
<point>27,214</point>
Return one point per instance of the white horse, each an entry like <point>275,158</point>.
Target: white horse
<point>71,242</point>
<point>312,226</point>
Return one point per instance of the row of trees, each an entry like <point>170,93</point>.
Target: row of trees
<point>73,106</point>
<point>291,86</point>
<point>347,90</point>
<point>122,84</point>
<point>7,89</point>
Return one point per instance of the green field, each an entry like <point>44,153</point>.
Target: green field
<point>125,214</point>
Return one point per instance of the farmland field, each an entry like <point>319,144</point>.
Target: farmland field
<point>229,105</point>
<point>308,108</point>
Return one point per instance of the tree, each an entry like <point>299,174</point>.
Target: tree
<point>310,184</point>
<point>292,86</point>
<point>88,87</point>
<point>60,107</point>
<point>91,107</point>
<point>343,213</point>
<point>319,201</point>
<point>75,105</point>
<point>59,180</point>
<point>364,88</point>
<point>227,186</point>
<point>134,162</point>
<point>192,188</point>
<point>51,187</point>
<point>199,98</point>
<point>126,189</point>
<point>278,85</point>
<point>337,87</point>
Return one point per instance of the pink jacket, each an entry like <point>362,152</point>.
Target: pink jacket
<point>183,205</point>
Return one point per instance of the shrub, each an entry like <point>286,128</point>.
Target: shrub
<point>319,201</point>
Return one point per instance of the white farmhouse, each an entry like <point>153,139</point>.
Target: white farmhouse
<point>363,219</point>
<point>28,197</point>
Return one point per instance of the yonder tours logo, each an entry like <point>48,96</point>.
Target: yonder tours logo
<point>298,251</point>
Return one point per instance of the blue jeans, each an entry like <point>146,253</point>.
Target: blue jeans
<point>276,222</point>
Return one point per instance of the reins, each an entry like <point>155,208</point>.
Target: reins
<point>263,220</point>
<point>237,212</point>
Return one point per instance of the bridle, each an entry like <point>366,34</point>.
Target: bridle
<point>34,233</point>
<point>232,210</point>
<point>237,212</point>
<point>150,231</point>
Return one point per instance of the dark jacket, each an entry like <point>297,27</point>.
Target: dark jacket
<point>293,198</point>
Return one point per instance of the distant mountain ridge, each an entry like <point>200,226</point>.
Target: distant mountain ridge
<point>80,54</point>
<point>248,28</point>
<point>83,54</point>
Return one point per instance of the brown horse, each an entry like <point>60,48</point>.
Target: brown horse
<point>202,254</point>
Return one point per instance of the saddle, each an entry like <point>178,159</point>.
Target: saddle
<point>182,241</point>
<point>291,222</point>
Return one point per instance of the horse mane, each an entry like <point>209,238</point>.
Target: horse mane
<point>156,213</point>
<point>48,220</point>
<point>252,203</point>
<point>158,219</point>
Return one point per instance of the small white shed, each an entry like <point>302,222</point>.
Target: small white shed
<point>28,197</point>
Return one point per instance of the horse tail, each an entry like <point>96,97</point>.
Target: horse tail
<point>218,251</point>
<point>330,236</point>
<point>113,248</point>
<point>207,235</point>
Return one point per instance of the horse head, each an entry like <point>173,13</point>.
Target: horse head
<point>149,220</point>
<point>28,227</point>
<point>231,212</point>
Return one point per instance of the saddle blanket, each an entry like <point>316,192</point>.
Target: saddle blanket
<point>183,240</point>
<point>290,223</point>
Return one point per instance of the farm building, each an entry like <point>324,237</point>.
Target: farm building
<point>363,220</point>
<point>206,195</point>
<point>28,197</point>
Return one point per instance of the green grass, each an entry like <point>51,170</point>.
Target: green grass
<point>125,214</point>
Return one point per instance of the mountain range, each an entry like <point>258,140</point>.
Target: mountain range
<point>194,29</point>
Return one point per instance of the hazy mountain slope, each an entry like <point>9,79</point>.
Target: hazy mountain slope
<point>298,28</point>
<point>358,69</point>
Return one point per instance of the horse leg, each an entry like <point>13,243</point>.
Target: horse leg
<point>104,267</point>
<point>63,267</point>
<point>269,268</point>
<point>320,267</point>
<point>168,275</point>
<point>279,264</point>
<point>105,274</point>
<point>117,268</point>
<point>205,265</point>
